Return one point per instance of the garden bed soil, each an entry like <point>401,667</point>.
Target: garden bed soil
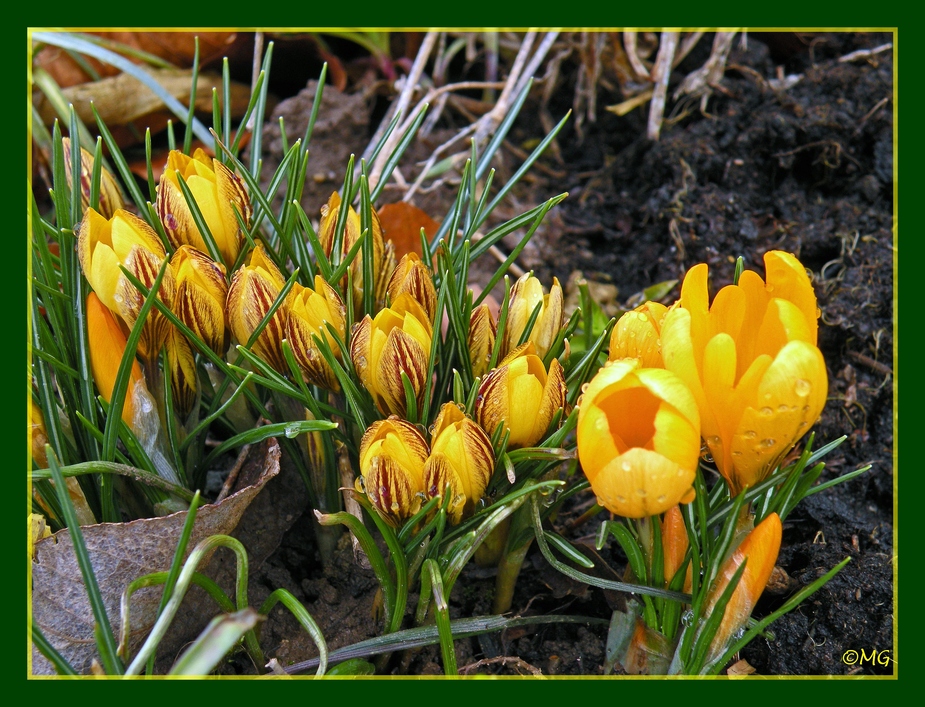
<point>807,169</point>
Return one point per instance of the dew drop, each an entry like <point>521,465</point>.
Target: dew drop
<point>641,493</point>
<point>750,434</point>
<point>714,440</point>
<point>768,442</point>
<point>292,430</point>
<point>662,498</point>
<point>584,388</point>
<point>118,298</point>
<point>626,466</point>
<point>395,507</point>
<point>768,411</point>
<point>783,408</point>
<point>805,409</point>
<point>802,387</point>
<point>600,501</point>
<point>621,499</point>
<point>681,472</point>
<point>737,454</point>
<point>642,317</point>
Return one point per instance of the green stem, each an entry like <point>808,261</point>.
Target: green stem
<point>512,560</point>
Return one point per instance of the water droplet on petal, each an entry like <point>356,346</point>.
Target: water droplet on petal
<point>769,442</point>
<point>714,440</point>
<point>805,409</point>
<point>621,499</point>
<point>802,387</point>
<point>642,317</point>
<point>626,466</point>
<point>750,434</point>
<point>641,493</point>
<point>737,454</point>
<point>767,411</point>
<point>783,408</point>
<point>662,498</point>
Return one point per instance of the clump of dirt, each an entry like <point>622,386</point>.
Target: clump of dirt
<point>804,166</point>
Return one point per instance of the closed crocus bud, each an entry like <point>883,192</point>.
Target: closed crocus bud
<point>761,546</point>
<point>397,341</point>
<point>309,312</point>
<point>183,381</point>
<point>105,244</point>
<point>392,456</point>
<point>383,251</point>
<point>218,192</point>
<point>481,339</point>
<point>110,194</point>
<point>674,546</point>
<point>462,457</point>
<point>751,361</point>
<point>200,296</point>
<point>522,396</point>
<point>253,290</point>
<point>107,344</point>
<point>526,294</point>
<point>638,439</point>
<point>636,335</point>
<point>411,275</point>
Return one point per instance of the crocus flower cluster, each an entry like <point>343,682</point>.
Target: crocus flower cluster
<point>744,374</point>
<point>227,289</point>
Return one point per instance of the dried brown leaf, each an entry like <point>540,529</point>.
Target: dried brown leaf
<point>120,553</point>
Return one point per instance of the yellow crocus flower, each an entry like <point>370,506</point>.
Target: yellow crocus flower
<point>525,295</point>
<point>411,275</point>
<point>310,311</point>
<point>217,192</point>
<point>105,244</point>
<point>392,457</point>
<point>521,395</point>
<point>752,363</point>
<point>253,290</point>
<point>638,439</point>
<point>397,341</point>
<point>462,457</point>
<point>200,296</point>
<point>636,335</point>
<point>383,250</point>
<point>481,339</point>
<point>110,194</point>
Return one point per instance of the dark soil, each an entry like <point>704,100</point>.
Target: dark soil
<point>807,169</point>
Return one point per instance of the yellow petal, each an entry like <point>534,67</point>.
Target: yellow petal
<point>787,401</point>
<point>641,483</point>
<point>201,291</point>
<point>787,279</point>
<point>676,438</point>
<point>719,370</point>
<point>390,490</point>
